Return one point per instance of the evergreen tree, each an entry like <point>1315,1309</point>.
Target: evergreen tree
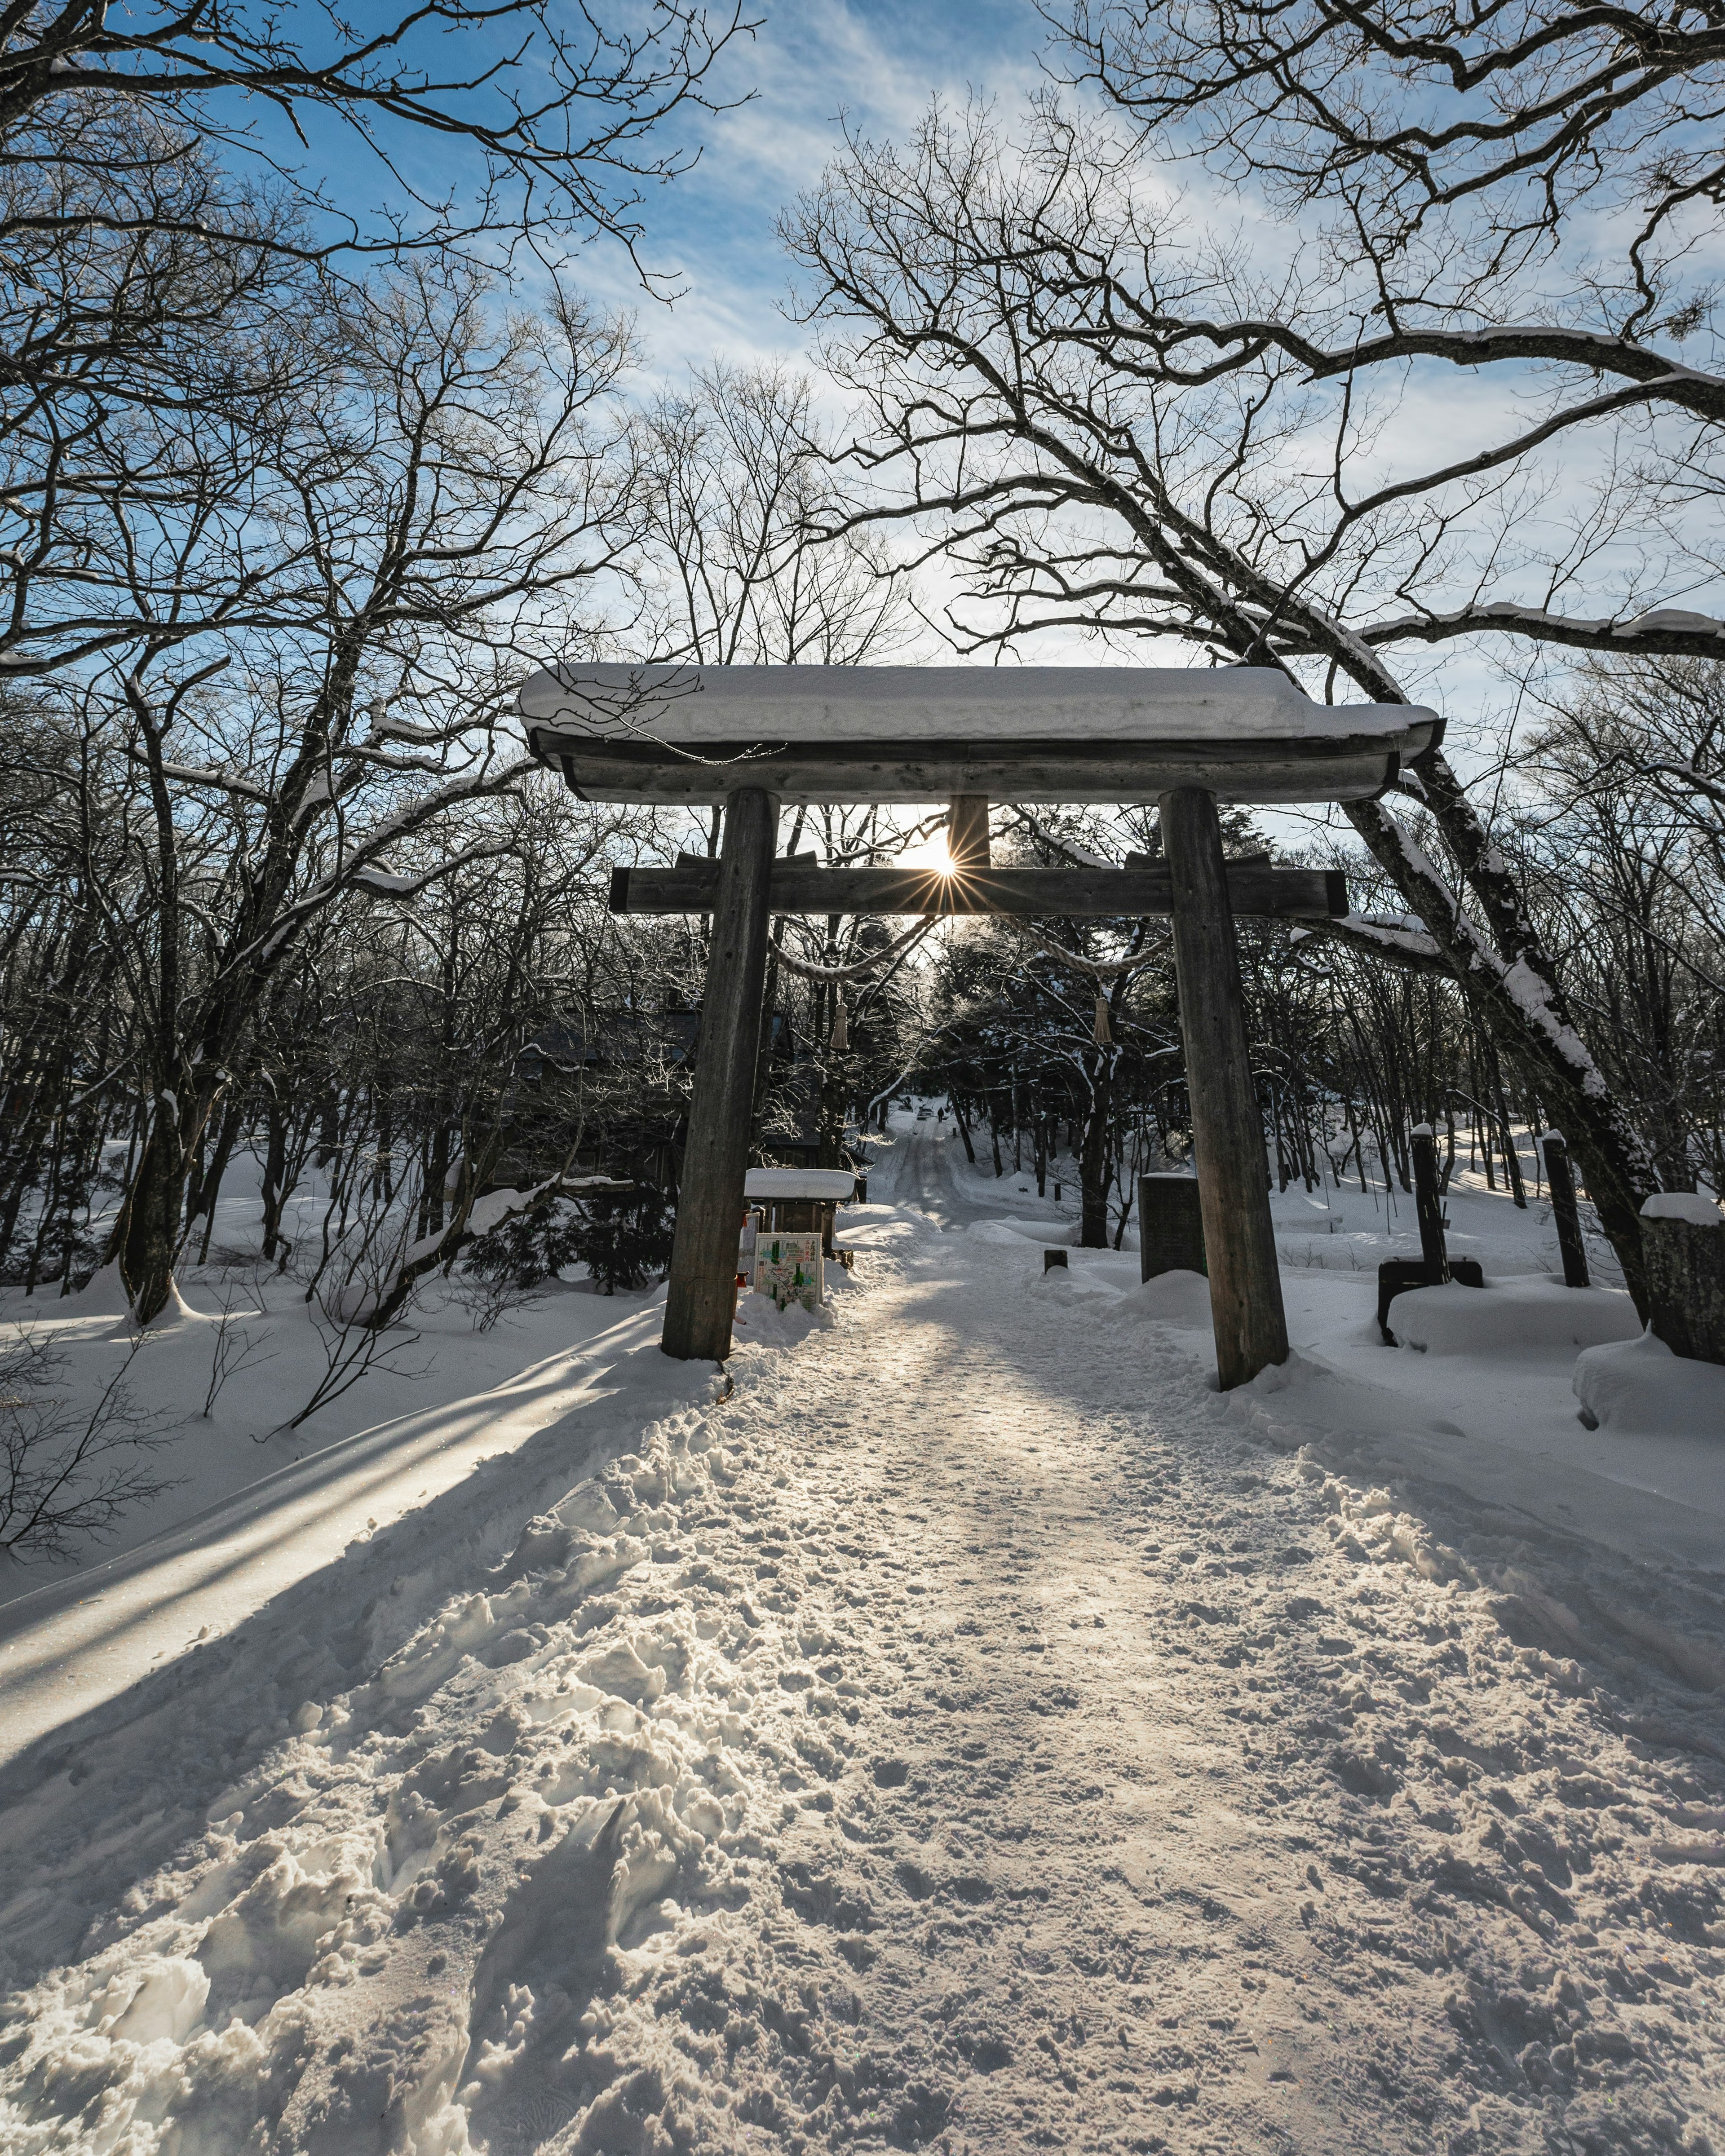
<point>625,1239</point>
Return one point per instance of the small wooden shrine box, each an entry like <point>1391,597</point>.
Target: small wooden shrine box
<point>796,1201</point>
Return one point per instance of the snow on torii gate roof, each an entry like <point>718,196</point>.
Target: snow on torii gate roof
<point>695,734</point>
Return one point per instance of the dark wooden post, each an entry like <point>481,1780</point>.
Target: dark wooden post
<point>1429,1207</point>
<point>968,831</point>
<point>701,1298</point>
<point>1563,1208</point>
<point>1227,1129</point>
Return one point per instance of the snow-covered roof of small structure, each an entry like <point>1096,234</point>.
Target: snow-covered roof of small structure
<point>823,1182</point>
<point>919,733</point>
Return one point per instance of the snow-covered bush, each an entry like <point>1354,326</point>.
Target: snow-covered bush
<point>528,1248</point>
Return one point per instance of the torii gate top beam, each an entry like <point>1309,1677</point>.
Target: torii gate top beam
<point>695,734</point>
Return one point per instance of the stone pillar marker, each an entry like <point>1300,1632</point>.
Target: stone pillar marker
<point>1683,1245</point>
<point>1170,1226</point>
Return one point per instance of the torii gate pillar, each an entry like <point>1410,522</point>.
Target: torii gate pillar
<point>700,1300</point>
<point>1227,1130</point>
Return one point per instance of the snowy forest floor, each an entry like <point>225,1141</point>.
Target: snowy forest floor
<point>972,1733</point>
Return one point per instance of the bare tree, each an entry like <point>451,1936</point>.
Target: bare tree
<point>555,112</point>
<point>165,241</point>
<point>746,557</point>
<point>1031,338</point>
<point>1618,836</point>
<point>1460,140</point>
<point>457,473</point>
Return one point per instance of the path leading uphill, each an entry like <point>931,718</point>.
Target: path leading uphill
<point>967,1736</point>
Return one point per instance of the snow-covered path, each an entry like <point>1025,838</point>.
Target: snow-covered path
<point>966,1735</point>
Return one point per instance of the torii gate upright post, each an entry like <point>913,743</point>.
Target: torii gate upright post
<point>752,735</point>
<point>1227,1127</point>
<point>699,1302</point>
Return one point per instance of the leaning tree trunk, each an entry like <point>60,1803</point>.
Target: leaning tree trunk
<point>1511,982</point>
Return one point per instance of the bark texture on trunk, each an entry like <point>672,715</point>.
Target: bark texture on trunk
<point>150,1227</point>
<point>1686,1279</point>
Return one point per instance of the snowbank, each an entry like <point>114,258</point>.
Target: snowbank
<point>1532,1316</point>
<point>760,1321</point>
<point>1045,1234</point>
<point>1639,1389</point>
<point>1172,1298</point>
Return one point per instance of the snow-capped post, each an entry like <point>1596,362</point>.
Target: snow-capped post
<point>1564,1211</point>
<point>1429,1206</point>
<point>702,1299</point>
<point>1227,1127</point>
<point>1683,1246</point>
<point>1170,1226</point>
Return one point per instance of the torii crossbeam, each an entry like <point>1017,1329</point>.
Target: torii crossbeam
<point>751,738</point>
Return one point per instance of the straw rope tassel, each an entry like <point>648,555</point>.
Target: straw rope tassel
<point>1101,1034</point>
<point>841,1027</point>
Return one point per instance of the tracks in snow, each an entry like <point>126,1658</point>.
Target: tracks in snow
<point>965,1736</point>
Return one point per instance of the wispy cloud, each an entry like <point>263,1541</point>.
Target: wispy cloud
<point>815,67</point>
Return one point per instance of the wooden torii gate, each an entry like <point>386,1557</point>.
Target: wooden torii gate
<point>753,738</point>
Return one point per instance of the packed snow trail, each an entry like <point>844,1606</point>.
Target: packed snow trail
<point>972,1734</point>
<point>921,1165</point>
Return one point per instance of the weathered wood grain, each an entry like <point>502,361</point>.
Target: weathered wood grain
<point>1227,1127</point>
<point>1252,887</point>
<point>702,1296</point>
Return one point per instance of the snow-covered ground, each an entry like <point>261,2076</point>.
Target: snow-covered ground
<point>1487,1399</point>
<point>971,1732</point>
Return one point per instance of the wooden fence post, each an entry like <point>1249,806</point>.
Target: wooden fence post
<point>702,1297</point>
<point>1227,1127</point>
<point>1563,1208</point>
<point>1429,1206</point>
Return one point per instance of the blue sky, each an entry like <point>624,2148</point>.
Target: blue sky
<point>812,65</point>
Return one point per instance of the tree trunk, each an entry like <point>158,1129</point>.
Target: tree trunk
<point>149,1229</point>
<point>958,1117</point>
<point>210,1184</point>
<point>274,1170</point>
<point>1518,1002</point>
<point>1093,1176</point>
